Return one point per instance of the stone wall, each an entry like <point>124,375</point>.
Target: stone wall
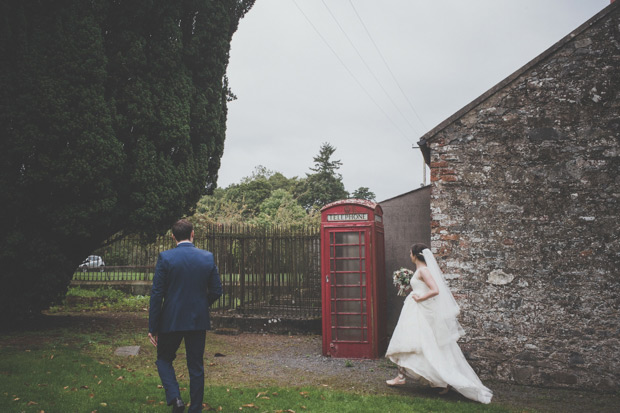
<point>525,205</point>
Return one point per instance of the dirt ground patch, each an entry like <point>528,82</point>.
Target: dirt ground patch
<point>257,360</point>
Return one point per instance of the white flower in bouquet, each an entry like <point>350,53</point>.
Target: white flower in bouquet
<point>402,278</point>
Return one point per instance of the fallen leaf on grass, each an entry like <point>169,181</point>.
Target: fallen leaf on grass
<point>16,399</point>
<point>262,393</point>
<point>52,357</point>
<point>31,403</point>
<point>103,404</point>
<point>159,386</point>
<point>251,405</point>
<point>91,395</point>
<point>304,394</point>
<point>120,378</point>
<point>83,387</point>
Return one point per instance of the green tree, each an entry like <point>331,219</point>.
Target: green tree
<point>217,208</point>
<point>250,193</point>
<point>363,192</point>
<point>325,184</point>
<point>282,209</point>
<point>113,118</point>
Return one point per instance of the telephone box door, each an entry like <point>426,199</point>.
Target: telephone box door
<point>347,291</point>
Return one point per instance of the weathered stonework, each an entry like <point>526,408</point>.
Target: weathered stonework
<point>525,203</point>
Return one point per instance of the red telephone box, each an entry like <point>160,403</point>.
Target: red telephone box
<point>353,279</point>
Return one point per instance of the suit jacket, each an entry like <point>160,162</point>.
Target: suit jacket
<point>185,284</point>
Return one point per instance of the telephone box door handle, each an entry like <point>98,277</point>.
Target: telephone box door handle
<point>327,279</point>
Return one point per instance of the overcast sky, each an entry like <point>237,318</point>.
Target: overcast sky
<point>371,77</point>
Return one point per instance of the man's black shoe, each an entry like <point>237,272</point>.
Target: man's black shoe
<point>178,406</point>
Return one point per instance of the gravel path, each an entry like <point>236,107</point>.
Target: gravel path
<point>255,360</point>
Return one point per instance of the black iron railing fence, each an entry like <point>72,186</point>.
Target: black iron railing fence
<point>264,271</point>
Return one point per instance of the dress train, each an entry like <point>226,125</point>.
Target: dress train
<point>417,349</point>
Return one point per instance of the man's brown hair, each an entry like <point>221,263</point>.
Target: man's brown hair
<point>182,230</point>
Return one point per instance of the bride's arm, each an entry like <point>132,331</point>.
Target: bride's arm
<point>425,275</point>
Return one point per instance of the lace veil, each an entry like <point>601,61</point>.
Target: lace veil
<point>445,309</point>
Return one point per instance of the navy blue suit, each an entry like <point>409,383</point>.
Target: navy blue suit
<point>185,284</point>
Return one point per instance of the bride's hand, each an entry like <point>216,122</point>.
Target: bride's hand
<point>415,298</point>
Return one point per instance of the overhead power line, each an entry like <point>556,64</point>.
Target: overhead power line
<point>386,65</point>
<point>368,67</point>
<point>350,72</point>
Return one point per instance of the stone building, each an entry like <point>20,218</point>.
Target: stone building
<point>525,202</point>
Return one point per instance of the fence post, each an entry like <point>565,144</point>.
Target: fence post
<point>242,271</point>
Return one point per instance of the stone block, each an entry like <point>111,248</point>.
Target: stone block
<point>127,351</point>
<point>523,375</point>
<point>562,377</point>
<point>499,277</point>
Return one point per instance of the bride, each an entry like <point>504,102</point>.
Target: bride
<point>424,341</point>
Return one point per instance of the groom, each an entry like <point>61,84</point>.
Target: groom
<point>185,284</point>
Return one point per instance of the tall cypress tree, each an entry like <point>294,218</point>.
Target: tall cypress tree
<point>113,119</point>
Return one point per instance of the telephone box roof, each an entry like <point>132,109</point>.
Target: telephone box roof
<point>361,202</point>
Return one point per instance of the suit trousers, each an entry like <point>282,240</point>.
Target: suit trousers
<point>167,346</point>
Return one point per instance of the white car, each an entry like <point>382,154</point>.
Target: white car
<point>93,261</point>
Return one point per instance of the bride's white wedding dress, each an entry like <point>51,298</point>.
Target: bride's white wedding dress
<point>422,351</point>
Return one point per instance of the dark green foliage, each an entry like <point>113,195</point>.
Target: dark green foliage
<point>325,184</point>
<point>363,192</point>
<point>113,118</point>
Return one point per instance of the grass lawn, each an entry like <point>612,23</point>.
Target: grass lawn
<point>123,274</point>
<point>74,369</point>
<point>65,362</point>
<point>66,371</point>
<point>66,378</point>
<point>112,274</point>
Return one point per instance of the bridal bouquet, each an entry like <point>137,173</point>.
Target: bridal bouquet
<point>402,278</point>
